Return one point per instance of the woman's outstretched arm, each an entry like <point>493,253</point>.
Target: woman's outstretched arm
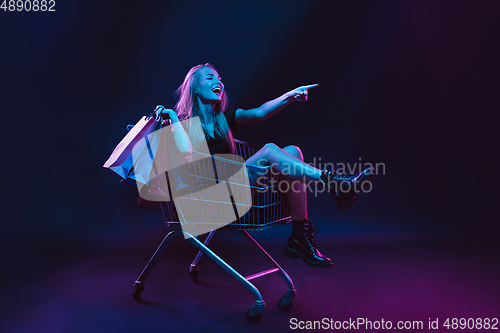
<point>269,109</point>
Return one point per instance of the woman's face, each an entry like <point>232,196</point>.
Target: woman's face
<point>209,87</point>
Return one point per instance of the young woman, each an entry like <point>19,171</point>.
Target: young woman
<point>202,95</point>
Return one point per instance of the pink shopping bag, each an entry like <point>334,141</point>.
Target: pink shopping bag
<point>121,161</point>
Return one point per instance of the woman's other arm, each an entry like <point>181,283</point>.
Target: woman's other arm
<point>181,138</point>
<point>270,108</point>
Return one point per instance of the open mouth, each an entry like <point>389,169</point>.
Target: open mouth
<point>217,90</point>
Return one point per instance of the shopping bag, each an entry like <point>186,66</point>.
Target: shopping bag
<point>152,156</point>
<point>121,161</point>
<point>144,152</point>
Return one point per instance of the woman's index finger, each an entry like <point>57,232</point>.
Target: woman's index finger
<point>311,86</point>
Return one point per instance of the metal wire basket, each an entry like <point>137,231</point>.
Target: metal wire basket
<point>199,210</point>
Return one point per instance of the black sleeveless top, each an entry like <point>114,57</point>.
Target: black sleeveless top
<point>219,145</point>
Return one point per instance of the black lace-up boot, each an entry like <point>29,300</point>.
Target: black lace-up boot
<point>343,187</point>
<point>302,244</point>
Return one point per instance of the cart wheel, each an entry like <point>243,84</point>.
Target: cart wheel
<point>194,271</point>
<point>137,289</point>
<point>283,305</point>
<point>253,318</point>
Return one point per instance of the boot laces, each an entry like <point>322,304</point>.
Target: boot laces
<point>338,176</point>
<point>311,228</point>
<point>344,176</point>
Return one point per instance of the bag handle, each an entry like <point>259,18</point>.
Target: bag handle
<point>157,125</point>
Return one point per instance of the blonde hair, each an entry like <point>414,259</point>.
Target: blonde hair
<point>184,109</point>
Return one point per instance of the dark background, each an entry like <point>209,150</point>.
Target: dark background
<point>411,84</point>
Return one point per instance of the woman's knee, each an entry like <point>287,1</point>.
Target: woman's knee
<point>270,149</point>
<point>294,151</point>
<point>262,157</point>
<point>271,146</point>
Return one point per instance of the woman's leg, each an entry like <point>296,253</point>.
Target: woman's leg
<point>296,194</point>
<point>289,161</point>
<point>342,187</point>
<point>285,163</point>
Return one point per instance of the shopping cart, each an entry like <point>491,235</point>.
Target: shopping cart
<point>268,209</point>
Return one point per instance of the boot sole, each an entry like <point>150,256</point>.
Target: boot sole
<point>349,198</point>
<point>291,253</point>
